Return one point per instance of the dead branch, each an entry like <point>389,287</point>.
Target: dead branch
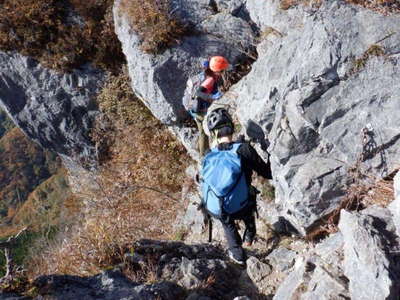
<point>7,246</point>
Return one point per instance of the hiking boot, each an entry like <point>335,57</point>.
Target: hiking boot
<point>236,255</point>
<point>248,241</point>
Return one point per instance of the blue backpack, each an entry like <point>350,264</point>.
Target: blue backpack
<point>224,186</point>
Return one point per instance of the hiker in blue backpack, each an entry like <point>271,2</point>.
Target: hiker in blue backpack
<point>203,92</point>
<point>226,182</point>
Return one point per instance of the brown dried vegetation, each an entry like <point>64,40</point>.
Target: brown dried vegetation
<point>362,192</point>
<point>381,6</point>
<point>136,192</point>
<point>51,32</point>
<point>361,62</point>
<point>153,22</point>
<point>24,165</point>
<point>286,4</point>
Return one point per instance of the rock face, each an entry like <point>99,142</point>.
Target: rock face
<point>160,80</point>
<point>313,91</point>
<point>322,93</point>
<point>55,110</point>
<point>395,205</point>
<point>370,259</point>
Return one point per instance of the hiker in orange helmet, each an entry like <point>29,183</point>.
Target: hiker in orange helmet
<point>205,93</point>
<point>218,63</point>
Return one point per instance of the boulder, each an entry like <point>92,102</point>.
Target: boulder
<point>107,285</point>
<point>329,253</point>
<point>257,270</point>
<point>293,285</point>
<point>53,109</point>
<point>323,286</point>
<point>369,256</point>
<point>322,94</point>
<point>282,258</point>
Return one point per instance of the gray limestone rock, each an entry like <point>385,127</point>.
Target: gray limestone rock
<point>198,271</point>
<point>320,116</point>
<point>182,272</point>
<point>330,252</point>
<point>323,286</point>
<point>55,110</point>
<point>257,270</point>
<point>292,286</point>
<point>201,268</point>
<point>369,261</point>
<point>231,6</point>
<point>191,220</point>
<point>395,205</point>
<point>314,97</point>
<point>110,285</point>
<point>160,80</point>
<point>282,259</point>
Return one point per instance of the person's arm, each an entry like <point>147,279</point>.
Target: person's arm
<point>251,158</point>
<point>203,94</point>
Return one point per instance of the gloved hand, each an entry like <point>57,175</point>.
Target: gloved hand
<point>241,138</point>
<point>217,95</point>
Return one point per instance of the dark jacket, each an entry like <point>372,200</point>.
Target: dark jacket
<point>250,161</point>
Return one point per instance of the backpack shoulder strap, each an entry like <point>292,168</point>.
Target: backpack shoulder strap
<point>235,147</point>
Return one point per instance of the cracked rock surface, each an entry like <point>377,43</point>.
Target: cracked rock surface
<point>55,110</point>
<point>321,96</point>
<point>320,103</point>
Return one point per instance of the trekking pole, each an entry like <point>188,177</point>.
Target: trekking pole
<point>209,230</point>
<point>244,234</point>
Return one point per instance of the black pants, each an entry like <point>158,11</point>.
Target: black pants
<point>246,215</point>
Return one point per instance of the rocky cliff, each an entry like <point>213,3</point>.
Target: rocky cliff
<point>56,110</point>
<point>321,101</point>
<point>322,93</point>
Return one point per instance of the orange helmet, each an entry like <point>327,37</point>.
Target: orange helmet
<point>218,63</point>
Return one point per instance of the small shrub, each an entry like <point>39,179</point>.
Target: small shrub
<point>180,234</point>
<point>286,4</point>
<point>153,22</point>
<point>268,191</point>
<point>361,62</point>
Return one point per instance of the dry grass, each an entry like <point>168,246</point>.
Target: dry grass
<point>361,62</point>
<point>153,22</point>
<point>381,6</point>
<point>363,192</point>
<point>286,4</point>
<point>44,30</point>
<point>136,194</point>
<point>44,207</point>
<point>145,272</point>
